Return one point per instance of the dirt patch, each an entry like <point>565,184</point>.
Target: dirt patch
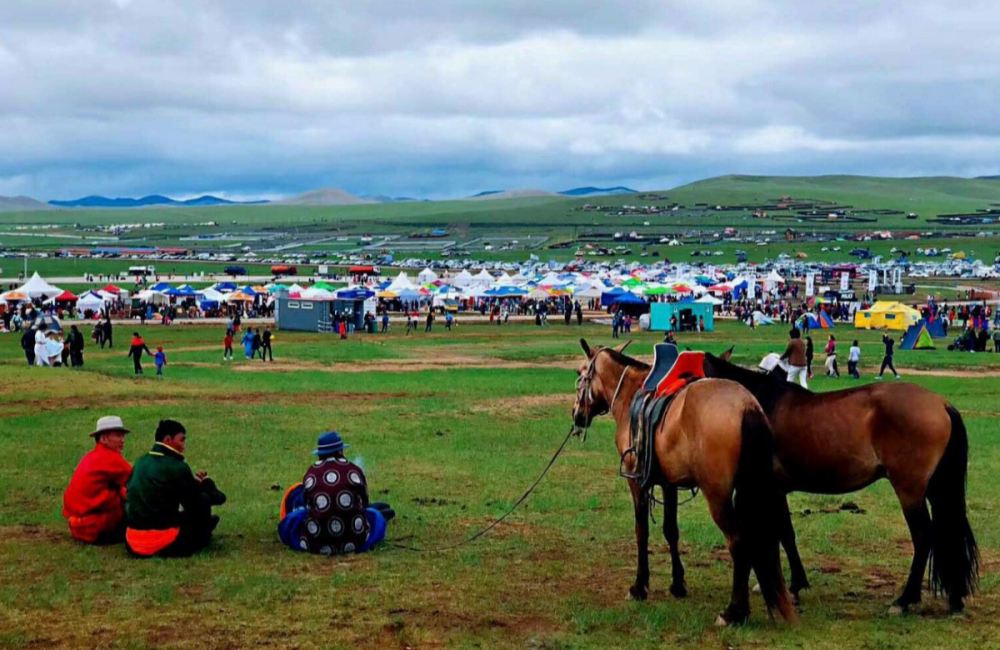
<point>33,533</point>
<point>404,365</point>
<point>944,372</point>
<point>520,405</point>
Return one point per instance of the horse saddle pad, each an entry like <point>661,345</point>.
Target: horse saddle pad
<point>673,371</point>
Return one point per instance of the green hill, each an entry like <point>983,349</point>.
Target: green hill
<point>926,196</point>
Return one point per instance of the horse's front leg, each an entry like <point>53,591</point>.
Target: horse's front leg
<point>799,579</point>
<point>640,590</point>
<point>672,534</point>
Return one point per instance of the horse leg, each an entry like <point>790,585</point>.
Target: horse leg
<point>919,521</point>
<point>738,610</point>
<point>672,534</point>
<point>799,579</point>
<point>640,590</point>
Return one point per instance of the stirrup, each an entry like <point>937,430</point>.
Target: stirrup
<point>621,466</point>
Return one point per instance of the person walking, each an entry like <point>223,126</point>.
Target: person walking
<point>831,357</point>
<point>430,320</point>
<point>615,324</point>
<point>996,337</point>
<point>411,323</point>
<point>385,321</point>
<point>796,355</point>
<point>108,334</point>
<point>75,347</point>
<point>135,351</point>
<point>247,342</point>
<point>227,346</point>
<point>160,359</point>
<point>889,343</point>
<point>265,345</point>
<point>28,345</point>
<point>257,342</point>
<point>579,313</point>
<point>809,357</point>
<point>41,346</point>
<point>853,357</point>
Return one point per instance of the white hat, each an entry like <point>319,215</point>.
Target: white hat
<point>108,424</point>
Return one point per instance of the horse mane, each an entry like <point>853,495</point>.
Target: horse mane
<point>625,360</point>
<point>767,388</point>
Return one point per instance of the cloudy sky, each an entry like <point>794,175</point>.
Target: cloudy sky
<point>444,98</point>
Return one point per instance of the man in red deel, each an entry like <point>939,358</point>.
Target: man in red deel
<point>94,502</point>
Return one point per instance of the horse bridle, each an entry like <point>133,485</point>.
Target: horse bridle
<point>584,384</point>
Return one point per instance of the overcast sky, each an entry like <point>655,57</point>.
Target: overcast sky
<point>444,98</point>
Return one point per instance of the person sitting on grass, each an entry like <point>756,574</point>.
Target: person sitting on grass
<point>94,501</point>
<point>328,512</point>
<point>168,509</point>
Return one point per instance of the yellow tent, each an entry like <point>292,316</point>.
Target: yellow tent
<point>888,315</point>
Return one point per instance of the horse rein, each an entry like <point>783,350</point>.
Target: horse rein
<point>585,384</point>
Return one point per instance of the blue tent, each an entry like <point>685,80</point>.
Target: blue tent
<point>619,296</point>
<point>934,327</point>
<point>248,290</point>
<point>161,287</point>
<point>180,292</point>
<point>357,293</point>
<point>225,287</point>
<point>505,292</point>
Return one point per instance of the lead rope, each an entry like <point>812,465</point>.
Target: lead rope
<point>495,523</point>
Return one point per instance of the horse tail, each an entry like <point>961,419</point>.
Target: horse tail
<point>758,507</point>
<point>954,553</point>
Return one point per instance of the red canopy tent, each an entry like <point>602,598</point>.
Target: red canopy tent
<point>66,296</point>
<point>112,289</point>
<point>720,287</point>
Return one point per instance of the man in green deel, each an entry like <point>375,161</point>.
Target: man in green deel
<point>168,508</point>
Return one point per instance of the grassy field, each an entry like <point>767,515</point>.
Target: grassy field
<point>450,428</point>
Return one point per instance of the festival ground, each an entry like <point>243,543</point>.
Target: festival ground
<point>450,428</point>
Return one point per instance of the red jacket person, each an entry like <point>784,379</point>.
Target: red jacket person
<point>94,502</point>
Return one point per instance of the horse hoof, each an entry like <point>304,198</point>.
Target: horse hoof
<point>637,593</point>
<point>721,621</point>
<point>756,588</point>
<point>678,591</point>
<point>898,610</point>
<point>795,599</point>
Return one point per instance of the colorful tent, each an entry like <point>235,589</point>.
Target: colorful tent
<point>917,338</point>
<point>67,296</point>
<point>820,321</point>
<point>888,315</point>
<point>935,327</point>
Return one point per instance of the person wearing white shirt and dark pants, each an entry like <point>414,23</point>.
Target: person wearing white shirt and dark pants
<point>853,357</point>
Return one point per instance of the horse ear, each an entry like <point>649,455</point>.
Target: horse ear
<point>728,354</point>
<point>586,348</point>
<point>622,349</point>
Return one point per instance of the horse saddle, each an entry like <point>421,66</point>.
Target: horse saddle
<point>671,372</point>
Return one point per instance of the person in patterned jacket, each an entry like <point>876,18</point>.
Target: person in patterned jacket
<point>329,512</point>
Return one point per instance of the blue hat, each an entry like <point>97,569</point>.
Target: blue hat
<point>329,443</point>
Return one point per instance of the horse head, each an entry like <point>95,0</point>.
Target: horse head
<point>591,391</point>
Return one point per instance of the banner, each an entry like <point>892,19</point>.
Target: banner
<point>872,280</point>
<point>752,288</point>
<point>845,281</point>
<point>810,285</point>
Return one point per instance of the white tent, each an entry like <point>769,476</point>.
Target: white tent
<point>90,301</point>
<point>483,278</point>
<point>505,281</point>
<point>212,294</point>
<point>152,297</point>
<point>427,275</point>
<point>592,291</point>
<point>772,281</point>
<point>463,279</point>
<point>709,299</point>
<point>36,287</point>
<point>550,279</point>
<point>520,278</point>
<point>400,284</point>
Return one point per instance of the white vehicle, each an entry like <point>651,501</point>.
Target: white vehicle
<point>142,270</point>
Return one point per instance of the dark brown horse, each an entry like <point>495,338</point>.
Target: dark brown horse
<point>845,440</point>
<point>714,436</point>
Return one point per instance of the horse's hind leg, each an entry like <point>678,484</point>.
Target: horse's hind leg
<point>919,521</point>
<point>738,610</point>
<point>672,534</point>
<point>640,590</point>
<point>799,579</point>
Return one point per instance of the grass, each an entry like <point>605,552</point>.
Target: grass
<point>450,429</point>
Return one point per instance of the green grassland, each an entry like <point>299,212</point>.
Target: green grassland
<point>450,428</point>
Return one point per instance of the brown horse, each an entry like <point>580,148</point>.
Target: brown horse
<point>845,440</point>
<point>714,436</point>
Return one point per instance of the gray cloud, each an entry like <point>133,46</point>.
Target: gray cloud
<point>447,97</point>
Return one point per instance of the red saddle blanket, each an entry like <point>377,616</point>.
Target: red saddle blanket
<point>688,367</point>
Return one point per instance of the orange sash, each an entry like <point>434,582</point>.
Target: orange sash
<point>150,542</point>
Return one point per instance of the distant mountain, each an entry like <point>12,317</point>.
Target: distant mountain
<point>598,191</point>
<point>382,198</point>
<point>987,178</point>
<point>325,196</point>
<point>147,201</point>
<point>511,194</point>
<point>21,204</point>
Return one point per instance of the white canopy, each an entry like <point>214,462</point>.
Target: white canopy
<point>400,284</point>
<point>212,294</point>
<point>427,275</point>
<point>36,287</point>
<point>152,297</point>
<point>709,299</point>
<point>463,279</point>
<point>483,278</point>
<point>90,300</point>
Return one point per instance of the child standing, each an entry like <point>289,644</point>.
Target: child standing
<point>160,359</point>
<point>227,346</point>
